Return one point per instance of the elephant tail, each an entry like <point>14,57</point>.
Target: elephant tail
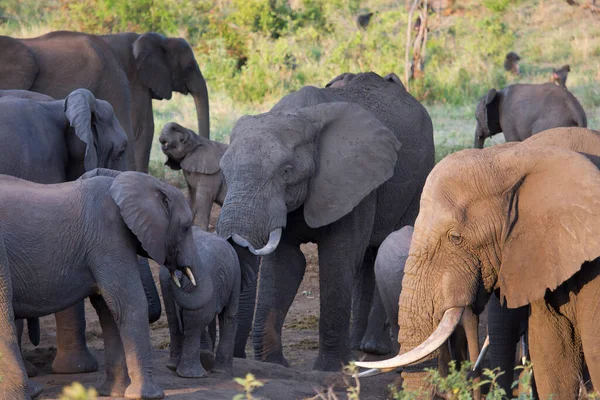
<point>33,330</point>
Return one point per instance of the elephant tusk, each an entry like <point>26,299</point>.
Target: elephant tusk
<point>443,331</point>
<point>523,349</point>
<point>372,372</point>
<point>188,273</point>
<point>274,238</point>
<point>175,279</point>
<point>484,349</point>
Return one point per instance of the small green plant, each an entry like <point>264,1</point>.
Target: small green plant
<point>76,391</point>
<point>249,383</point>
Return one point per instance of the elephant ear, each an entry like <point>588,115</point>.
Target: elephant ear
<point>18,66</point>
<point>552,220</point>
<point>492,112</point>
<point>145,206</point>
<point>392,77</point>
<point>204,158</point>
<point>79,108</point>
<point>356,154</point>
<point>152,64</point>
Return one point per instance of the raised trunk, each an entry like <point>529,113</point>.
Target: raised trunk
<point>202,111</point>
<point>416,326</point>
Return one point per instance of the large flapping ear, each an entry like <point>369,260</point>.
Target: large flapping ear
<point>552,219</point>
<point>152,66</point>
<point>18,66</point>
<point>145,207</point>
<point>204,158</point>
<point>492,112</point>
<point>79,108</point>
<point>356,154</point>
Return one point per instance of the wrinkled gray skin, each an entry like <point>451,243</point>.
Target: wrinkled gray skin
<point>340,167</point>
<point>156,66</point>
<point>220,269</point>
<point>522,110</point>
<point>377,339</point>
<point>199,158</point>
<point>55,141</point>
<point>83,240</point>
<point>60,62</point>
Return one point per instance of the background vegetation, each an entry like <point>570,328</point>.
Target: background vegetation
<point>253,52</point>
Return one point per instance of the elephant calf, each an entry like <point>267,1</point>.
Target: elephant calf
<point>68,241</point>
<point>219,269</point>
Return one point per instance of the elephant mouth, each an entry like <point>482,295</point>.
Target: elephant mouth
<point>439,336</point>
<point>274,238</point>
<point>187,271</point>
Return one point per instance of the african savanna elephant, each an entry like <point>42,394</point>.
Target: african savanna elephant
<point>506,228</point>
<point>156,67</point>
<point>220,269</point>
<point>59,62</point>
<point>522,110</point>
<point>198,158</point>
<point>81,239</point>
<point>340,167</point>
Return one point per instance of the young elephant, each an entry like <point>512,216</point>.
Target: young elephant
<point>220,270</point>
<point>522,110</point>
<point>199,159</point>
<point>81,239</point>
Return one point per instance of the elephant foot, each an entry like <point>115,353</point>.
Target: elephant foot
<point>174,362</point>
<point>223,368</point>
<point>146,390</point>
<point>207,359</point>
<point>113,388</point>
<point>273,359</point>
<point>30,368</point>
<point>330,364</point>
<point>191,370</point>
<point>34,388</point>
<point>74,362</point>
<point>378,346</point>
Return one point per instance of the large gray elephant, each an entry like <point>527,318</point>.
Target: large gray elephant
<point>156,67</point>
<point>81,239</point>
<point>59,62</point>
<point>220,269</point>
<point>341,167</point>
<point>506,229</point>
<point>522,110</point>
<point>198,158</point>
<point>55,141</point>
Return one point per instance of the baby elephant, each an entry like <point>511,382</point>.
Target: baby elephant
<point>219,269</point>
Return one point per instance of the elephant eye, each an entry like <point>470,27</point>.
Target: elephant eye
<point>286,174</point>
<point>455,237</point>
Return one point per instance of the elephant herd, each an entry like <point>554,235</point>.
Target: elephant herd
<point>409,252</point>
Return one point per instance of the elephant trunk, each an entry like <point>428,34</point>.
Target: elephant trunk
<point>154,308</point>
<point>196,290</point>
<point>479,138</point>
<point>202,109</point>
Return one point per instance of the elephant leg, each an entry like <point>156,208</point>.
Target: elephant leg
<point>143,145</point>
<point>72,353</point>
<point>14,383</point>
<point>589,328</point>
<point>171,309</point>
<point>29,367</point>
<point>281,273</point>
<point>209,336</point>
<point>503,329</point>
<point>249,265</point>
<point>377,338</point>
<point>194,324</point>
<point>555,352</point>
<point>227,328</point>
<point>129,309</point>
<point>117,378</point>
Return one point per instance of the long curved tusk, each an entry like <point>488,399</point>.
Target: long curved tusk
<point>484,349</point>
<point>443,331</point>
<point>372,372</point>
<point>274,238</point>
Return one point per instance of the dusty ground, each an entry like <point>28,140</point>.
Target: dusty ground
<point>300,338</point>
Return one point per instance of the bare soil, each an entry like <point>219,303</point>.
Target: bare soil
<point>300,339</point>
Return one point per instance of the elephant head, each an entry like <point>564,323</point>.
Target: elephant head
<point>184,149</point>
<point>504,227</point>
<point>168,64</point>
<point>488,118</point>
<point>324,158</point>
<point>96,127</point>
<point>158,215</point>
